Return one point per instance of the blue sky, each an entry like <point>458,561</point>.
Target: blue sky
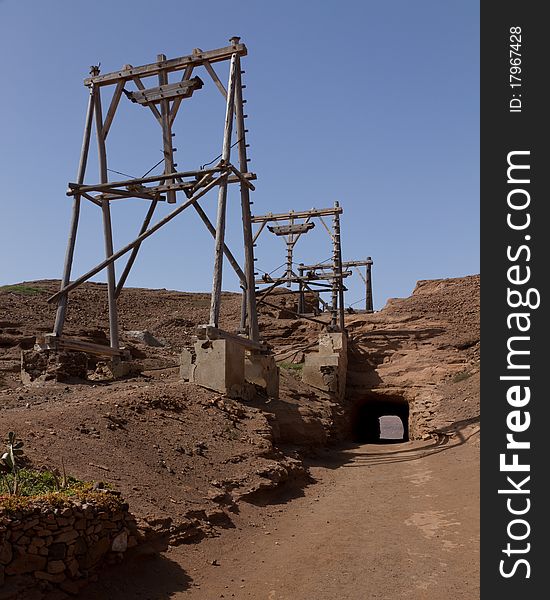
<point>373,104</point>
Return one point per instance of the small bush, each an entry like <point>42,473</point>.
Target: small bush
<point>291,366</point>
<point>25,290</point>
<point>461,376</point>
<point>36,483</point>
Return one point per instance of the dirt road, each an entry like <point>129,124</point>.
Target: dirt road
<point>383,522</point>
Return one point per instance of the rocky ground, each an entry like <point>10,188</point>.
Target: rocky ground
<point>185,458</point>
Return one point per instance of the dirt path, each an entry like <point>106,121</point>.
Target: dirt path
<point>383,522</point>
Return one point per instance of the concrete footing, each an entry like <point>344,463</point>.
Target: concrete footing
<point>262,370</point>
<point>327,368</point>
<point>221,365</point>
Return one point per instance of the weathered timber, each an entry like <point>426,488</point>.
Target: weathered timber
<point>141,86</point>
<point>306,278</point>
<point>76,188</point>
<point>107,227</point>
<point>345,264</point>
<point>181,89</point>
<point>135,250</point>
<point>210,69</point>
<point>177,101</point>
<point>71,286</point>
<point>52,342</point>
<point>215,302</point>
<point>303,214</point>
<point>248,309</point>
<point>291,229</point>
<point>69,255</point>
<point>174,64</point>
<point>112,108</point>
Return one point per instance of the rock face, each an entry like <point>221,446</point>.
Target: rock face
<point>423,350</point>
<point>61,546</point>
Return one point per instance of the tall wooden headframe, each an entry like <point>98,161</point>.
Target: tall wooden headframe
<point>163,100</point>
<point>291,226</point>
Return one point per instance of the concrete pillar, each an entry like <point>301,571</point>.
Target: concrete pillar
<point>327,368</point>
<point>262,370</point>
<point>218,365</point>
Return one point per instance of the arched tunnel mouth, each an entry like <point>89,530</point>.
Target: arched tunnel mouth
<point>380,419</point>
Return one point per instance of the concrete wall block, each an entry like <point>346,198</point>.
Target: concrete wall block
<point>219,365</point>
<point>262,370</point>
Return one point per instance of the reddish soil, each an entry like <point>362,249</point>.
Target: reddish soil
<point>402,523</point>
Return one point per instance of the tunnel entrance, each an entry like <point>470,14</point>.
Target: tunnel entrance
<point>380,419</point>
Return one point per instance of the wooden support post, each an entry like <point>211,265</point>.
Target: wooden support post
<point>222,198</point>
<point>249,294</point>
<point>244,311</point>
<point>168,148</point>
<point>289,253</point>
<point>107,228</point>
<point>369,307</point>
<point>338,282</point>
<point>301,296</point>
<point>69,255</point>
<point>133,256</point>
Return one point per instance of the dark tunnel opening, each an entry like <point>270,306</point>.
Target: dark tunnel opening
<point>379,419</point>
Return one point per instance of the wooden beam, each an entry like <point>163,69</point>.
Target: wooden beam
<point>176,103</point>
<point>54,342</point>
<point>215,302</point>
<point>174,64</point>
<point>345,264</point>
<point>228,254</point>
<point>91,199</point>
<point>69,253</point>
<point>291,229</point>
<point>327,228</point>
<point>76,188</point>
<point>305,278</point>
<point>168,148</point>
<point>112,108</point>
<point>303,214</point>
<point>180,89</point>
<point>152,107</point>
<point>71,286</point>
<point>249,295</point>
<point>298,315</point>
<point>260,229</point>
<point>135,250</point>
<point>107,226</point>
<point>215,78</point>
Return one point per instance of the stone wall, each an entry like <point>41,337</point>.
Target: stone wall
<point>43,547</point>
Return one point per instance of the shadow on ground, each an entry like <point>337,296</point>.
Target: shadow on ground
<point>146,574</point>
<point>354,454</point>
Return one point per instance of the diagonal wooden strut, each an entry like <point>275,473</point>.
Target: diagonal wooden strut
<point>66,289</point>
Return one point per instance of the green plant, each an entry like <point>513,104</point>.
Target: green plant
<point>291,366</point>
<point>9,463</point>
<point>26,290</point>
<point>462,376</point>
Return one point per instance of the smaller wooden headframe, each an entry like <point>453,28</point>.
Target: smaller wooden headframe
<point>348,264</point>
<point>163,101</point>
<point>297,223</point>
